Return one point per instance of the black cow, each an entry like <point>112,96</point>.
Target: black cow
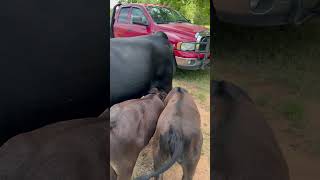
<point>138,64</point>
<point>53,63</point>
<point>244,145</point>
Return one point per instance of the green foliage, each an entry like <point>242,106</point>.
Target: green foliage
<point>198,11</point>
<point>294,112</point>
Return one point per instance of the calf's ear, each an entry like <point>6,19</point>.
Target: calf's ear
<point>153,91</point>
<point>163,95</point>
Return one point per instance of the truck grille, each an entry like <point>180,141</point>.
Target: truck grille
<point>203,44</point>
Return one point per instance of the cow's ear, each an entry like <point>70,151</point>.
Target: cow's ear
<point>153,91</point>
<point>163,95</point>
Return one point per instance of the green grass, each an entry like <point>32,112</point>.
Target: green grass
<point>316,147</point>
<point>262,100</point>
<point>293,110</point>
<point>196,82</point>
<point>287,55</point>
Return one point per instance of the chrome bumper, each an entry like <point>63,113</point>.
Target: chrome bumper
<point>192,63</point>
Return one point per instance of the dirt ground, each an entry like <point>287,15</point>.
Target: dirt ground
<point>145,161</point>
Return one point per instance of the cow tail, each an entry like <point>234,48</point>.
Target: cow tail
<point>174,144</point>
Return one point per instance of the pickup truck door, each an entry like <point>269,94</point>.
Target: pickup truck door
<point>137,29</point>
<point>121,24</point>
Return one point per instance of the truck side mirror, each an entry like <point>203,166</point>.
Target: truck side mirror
<point>138,20</point>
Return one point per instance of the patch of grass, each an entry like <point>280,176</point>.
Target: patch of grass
<point>315,146</point>
<point>286,55</point>
<point>262,100</point>
<point>294,113</point>
<point>206,141</point>
<point>202,97</point>
<point>196,82</point>
<point>292,131</point>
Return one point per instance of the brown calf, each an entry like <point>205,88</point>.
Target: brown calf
<point>178,135</point>
<point>73,150</point>
<point>132,124</point>
<point>244,147</point>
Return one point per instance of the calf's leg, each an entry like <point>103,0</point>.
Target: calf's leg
<point>127,166</point>
<point>188,169</point>
<point>191,159</point>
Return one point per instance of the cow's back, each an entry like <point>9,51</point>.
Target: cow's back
<point>137,64</point>
<point>130,69</point>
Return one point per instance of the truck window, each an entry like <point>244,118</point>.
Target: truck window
<point>163,15</point>
<point>136,12</point>
<point>123,16</point>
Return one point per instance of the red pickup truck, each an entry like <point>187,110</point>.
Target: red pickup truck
<point>191,43</point>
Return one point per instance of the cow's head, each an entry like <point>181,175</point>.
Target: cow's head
<point>162,94</point>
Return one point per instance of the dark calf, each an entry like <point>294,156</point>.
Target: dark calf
<point>132,124</point>
<point>178,135</point>
<point>244,145</point>
<point>73,150</point>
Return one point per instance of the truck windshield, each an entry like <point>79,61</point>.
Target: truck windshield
<point>164,15</point>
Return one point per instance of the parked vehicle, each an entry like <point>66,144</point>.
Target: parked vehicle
<point>265,12</point>
<point>191,43</point>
